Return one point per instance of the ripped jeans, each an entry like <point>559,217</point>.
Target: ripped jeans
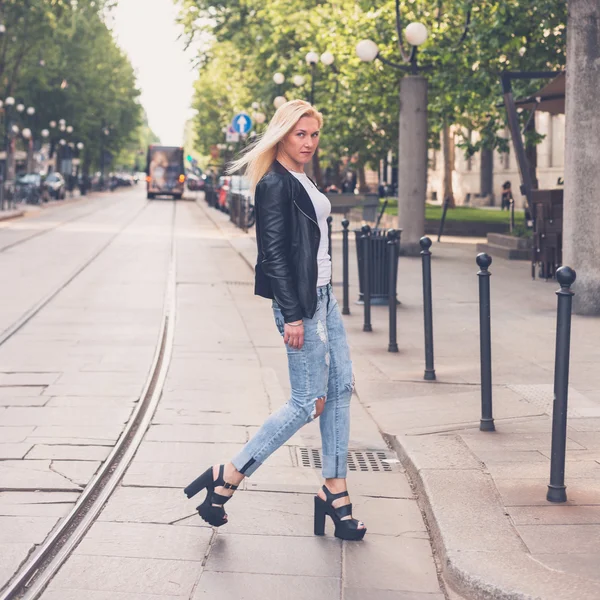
<point>322,368</point>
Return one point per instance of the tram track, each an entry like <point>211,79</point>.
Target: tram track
<point>56,226</point>
<point>38,570</point>
<point>7,333</point>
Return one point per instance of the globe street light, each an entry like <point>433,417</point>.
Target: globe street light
<point>412,147</point>
<point>80,146</point>
<point>260,117</point>
<point>31,111</point>
<point>45,133</point>
<point>52,124</point>
<point>279,78</point>
<point>20,108</point>
<point>298,80</point>
<point>26,133</point>
<point>70,129</point>
<point>10,101</point>
<point>279,101</point>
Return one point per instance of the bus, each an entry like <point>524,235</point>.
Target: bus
<point>165,170</point>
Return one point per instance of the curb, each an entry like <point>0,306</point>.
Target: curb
<point>11,215</point>
<point>481,555</point>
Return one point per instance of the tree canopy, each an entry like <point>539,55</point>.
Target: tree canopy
<point>60,57</point>
<point>246,41</point>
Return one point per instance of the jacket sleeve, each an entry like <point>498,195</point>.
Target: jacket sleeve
<point>271,200</point>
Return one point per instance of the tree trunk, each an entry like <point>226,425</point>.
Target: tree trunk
<point>448,150</point>
<point>582,161</point>
<point>531,154</point>
<point>486,175</point>
<point>362,180</point>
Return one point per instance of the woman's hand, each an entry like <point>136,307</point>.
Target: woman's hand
<point>293,334</point>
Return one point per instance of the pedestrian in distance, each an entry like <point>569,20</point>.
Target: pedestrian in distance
<point>507,196</point>
<point>294,271</point>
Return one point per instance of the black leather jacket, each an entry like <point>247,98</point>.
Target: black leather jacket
<point>288,237</point>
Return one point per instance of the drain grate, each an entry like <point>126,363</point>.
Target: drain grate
<point>238,282</point>
<point>358,460</point>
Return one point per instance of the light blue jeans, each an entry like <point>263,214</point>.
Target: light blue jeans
<point>322,367</point>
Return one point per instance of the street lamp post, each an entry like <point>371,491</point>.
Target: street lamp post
<point>412,145</point>
<point>312,59</point>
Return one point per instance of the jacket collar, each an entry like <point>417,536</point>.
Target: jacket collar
<point>301,197</point>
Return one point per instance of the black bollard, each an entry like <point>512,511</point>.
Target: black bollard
<point>392,251</point>
<point>345,274</point>
<point>367,276</point>
<point>487,419</point>
<point>427,309</point>
<point>557,489</point>
<point>443,220</point>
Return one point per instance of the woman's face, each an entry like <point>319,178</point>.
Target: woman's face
<point>301,142</point>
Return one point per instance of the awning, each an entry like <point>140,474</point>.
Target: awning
<point>550,99</point>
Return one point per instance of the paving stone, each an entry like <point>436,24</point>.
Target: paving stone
<point>161,474</point>
<point>284,479</point>
<point>321,557</point>
<point>258,586</point>
<point>32,474</point>
<point>391,563</point>
<point>561,539</point>
<point>565,514</point>
<point>11,435</point>
<point>381,484</point>
<point>87,401</point>
<point>69,452</point>
<point>185,412</point>
<point>197,433</point>
<point>364,593</point>
<point>13,554</point>
<point>79,472</point>
<point>37,504</point>
<point>482,441</point>
<point>580,564</point>
<point>201,454</point>
<point>510,456</point>
<point>112,595</point>
<point>150,505</point>
<point>532,492</point>
<point>7,392</point>
<point>25,529</point>
<point>388,516</point>
<point>14,450</point>
<point>583,469</point>
<point>23,401</point>
<point>128,576</point>
<point>144,540</point>
<point>106,431</point>
<point>28,379</point>
<point>64,417</point>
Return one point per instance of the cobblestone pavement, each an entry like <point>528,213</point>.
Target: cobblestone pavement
<point>70,377</point>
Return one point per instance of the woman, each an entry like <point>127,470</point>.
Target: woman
<point>294,270</point>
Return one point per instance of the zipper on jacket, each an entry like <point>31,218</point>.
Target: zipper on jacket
<point>317,266</point>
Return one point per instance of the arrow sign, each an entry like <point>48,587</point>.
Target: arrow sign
<point>242,123</point>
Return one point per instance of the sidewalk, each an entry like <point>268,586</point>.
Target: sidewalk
<point>484,493</point>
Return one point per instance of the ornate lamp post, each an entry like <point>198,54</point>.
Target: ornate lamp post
<point>412,150</point>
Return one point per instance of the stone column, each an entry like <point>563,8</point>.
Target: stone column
<point>581,236</point>
<point>412,162</point>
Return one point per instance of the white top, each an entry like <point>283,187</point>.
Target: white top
<point>323,210</point>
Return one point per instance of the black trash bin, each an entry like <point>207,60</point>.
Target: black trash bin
<point>378,266</point>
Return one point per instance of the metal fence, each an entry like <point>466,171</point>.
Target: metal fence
<point>239,210</point>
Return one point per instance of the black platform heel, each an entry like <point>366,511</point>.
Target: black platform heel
<point>211,510</point>
<point>346,529</point>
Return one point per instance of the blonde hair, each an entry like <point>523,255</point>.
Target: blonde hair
<point>261,155</point>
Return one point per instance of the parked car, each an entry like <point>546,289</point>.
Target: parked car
<point>193,181</point>
<point>55,183</point>
<point>31,188</point>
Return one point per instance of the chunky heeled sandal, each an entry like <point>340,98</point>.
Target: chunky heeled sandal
<point>345,529</point>
<point>211,510</point>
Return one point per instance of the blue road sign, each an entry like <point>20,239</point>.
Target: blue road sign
<point>242,123</point>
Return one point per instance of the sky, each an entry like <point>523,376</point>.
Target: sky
<point>147,31</point>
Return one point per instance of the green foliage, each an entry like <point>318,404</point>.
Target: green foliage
<point>250,40</point>
<point>60,57</point>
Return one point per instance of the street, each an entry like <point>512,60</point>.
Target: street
<point>116,309</point>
